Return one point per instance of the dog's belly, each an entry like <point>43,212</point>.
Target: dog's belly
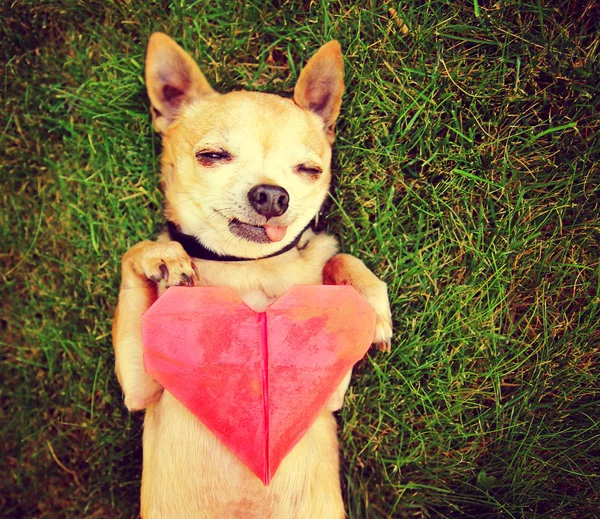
<point>188,473</point>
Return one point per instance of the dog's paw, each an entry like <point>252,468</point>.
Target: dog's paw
<point>377,297</point>
<point>168,262</point>
<point>383,329</point>
<point>143,395</point>
<point>336,401</point>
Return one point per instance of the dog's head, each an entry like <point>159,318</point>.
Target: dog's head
<point>243,172</point>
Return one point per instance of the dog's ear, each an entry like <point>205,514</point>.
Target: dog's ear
<point>172,78</point>
<point>321,85</point>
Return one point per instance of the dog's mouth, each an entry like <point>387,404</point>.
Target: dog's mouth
<point>257,233</point>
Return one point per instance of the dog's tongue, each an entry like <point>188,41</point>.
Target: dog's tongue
<point>275,233</point>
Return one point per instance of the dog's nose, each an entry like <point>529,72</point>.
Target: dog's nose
<point>269,200</point>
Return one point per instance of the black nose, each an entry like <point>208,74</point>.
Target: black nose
<point>269,200</point>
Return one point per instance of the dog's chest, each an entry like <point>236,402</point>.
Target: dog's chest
<point>256,287</point>
<point>260,283</point>
<point>257,300</point>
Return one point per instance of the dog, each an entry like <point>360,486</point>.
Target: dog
<point>244,177</point>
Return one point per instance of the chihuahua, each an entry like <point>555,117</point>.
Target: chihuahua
<point>245,176</point>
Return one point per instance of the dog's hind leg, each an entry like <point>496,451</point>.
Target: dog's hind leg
<point>344,269</point>
<point>143,266</point>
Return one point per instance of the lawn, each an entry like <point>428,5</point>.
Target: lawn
<point>467,174</point>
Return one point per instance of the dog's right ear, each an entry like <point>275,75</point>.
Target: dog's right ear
<point>321,85</point>
<point>172,78</point>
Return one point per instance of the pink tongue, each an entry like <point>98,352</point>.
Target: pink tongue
<point>275,233</point>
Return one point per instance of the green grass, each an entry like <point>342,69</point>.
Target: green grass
<point>467,176</point>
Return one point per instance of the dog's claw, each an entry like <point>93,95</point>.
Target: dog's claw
<point>155,277</point>
<point>187,281</point>
<point>385,346</point>
<point>164,272</point>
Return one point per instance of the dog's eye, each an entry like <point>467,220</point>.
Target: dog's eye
<point>210,157</point>
<point>309,169</point>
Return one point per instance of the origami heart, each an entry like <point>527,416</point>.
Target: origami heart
<point>258,381</point>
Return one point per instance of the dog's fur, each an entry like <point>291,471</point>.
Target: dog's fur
<point>215,149</point>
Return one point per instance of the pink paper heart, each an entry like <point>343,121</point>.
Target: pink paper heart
<point>258,381</point>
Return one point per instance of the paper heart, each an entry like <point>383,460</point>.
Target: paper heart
<point>258,381</point>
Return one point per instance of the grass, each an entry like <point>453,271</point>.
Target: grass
<point>467,176</point>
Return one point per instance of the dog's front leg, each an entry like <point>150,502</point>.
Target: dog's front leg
<point>143,267</point>
<point>344,269</point>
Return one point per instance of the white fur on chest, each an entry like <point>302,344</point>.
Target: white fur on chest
<point>257,300</point>
<point>259,283</point>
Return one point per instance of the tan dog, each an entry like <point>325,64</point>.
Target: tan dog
<point>243,174</point>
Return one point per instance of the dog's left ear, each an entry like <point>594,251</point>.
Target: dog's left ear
<point>321,85</point>
<point>172,78</point>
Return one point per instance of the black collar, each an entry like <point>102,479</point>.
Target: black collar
<point>196,249</point>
